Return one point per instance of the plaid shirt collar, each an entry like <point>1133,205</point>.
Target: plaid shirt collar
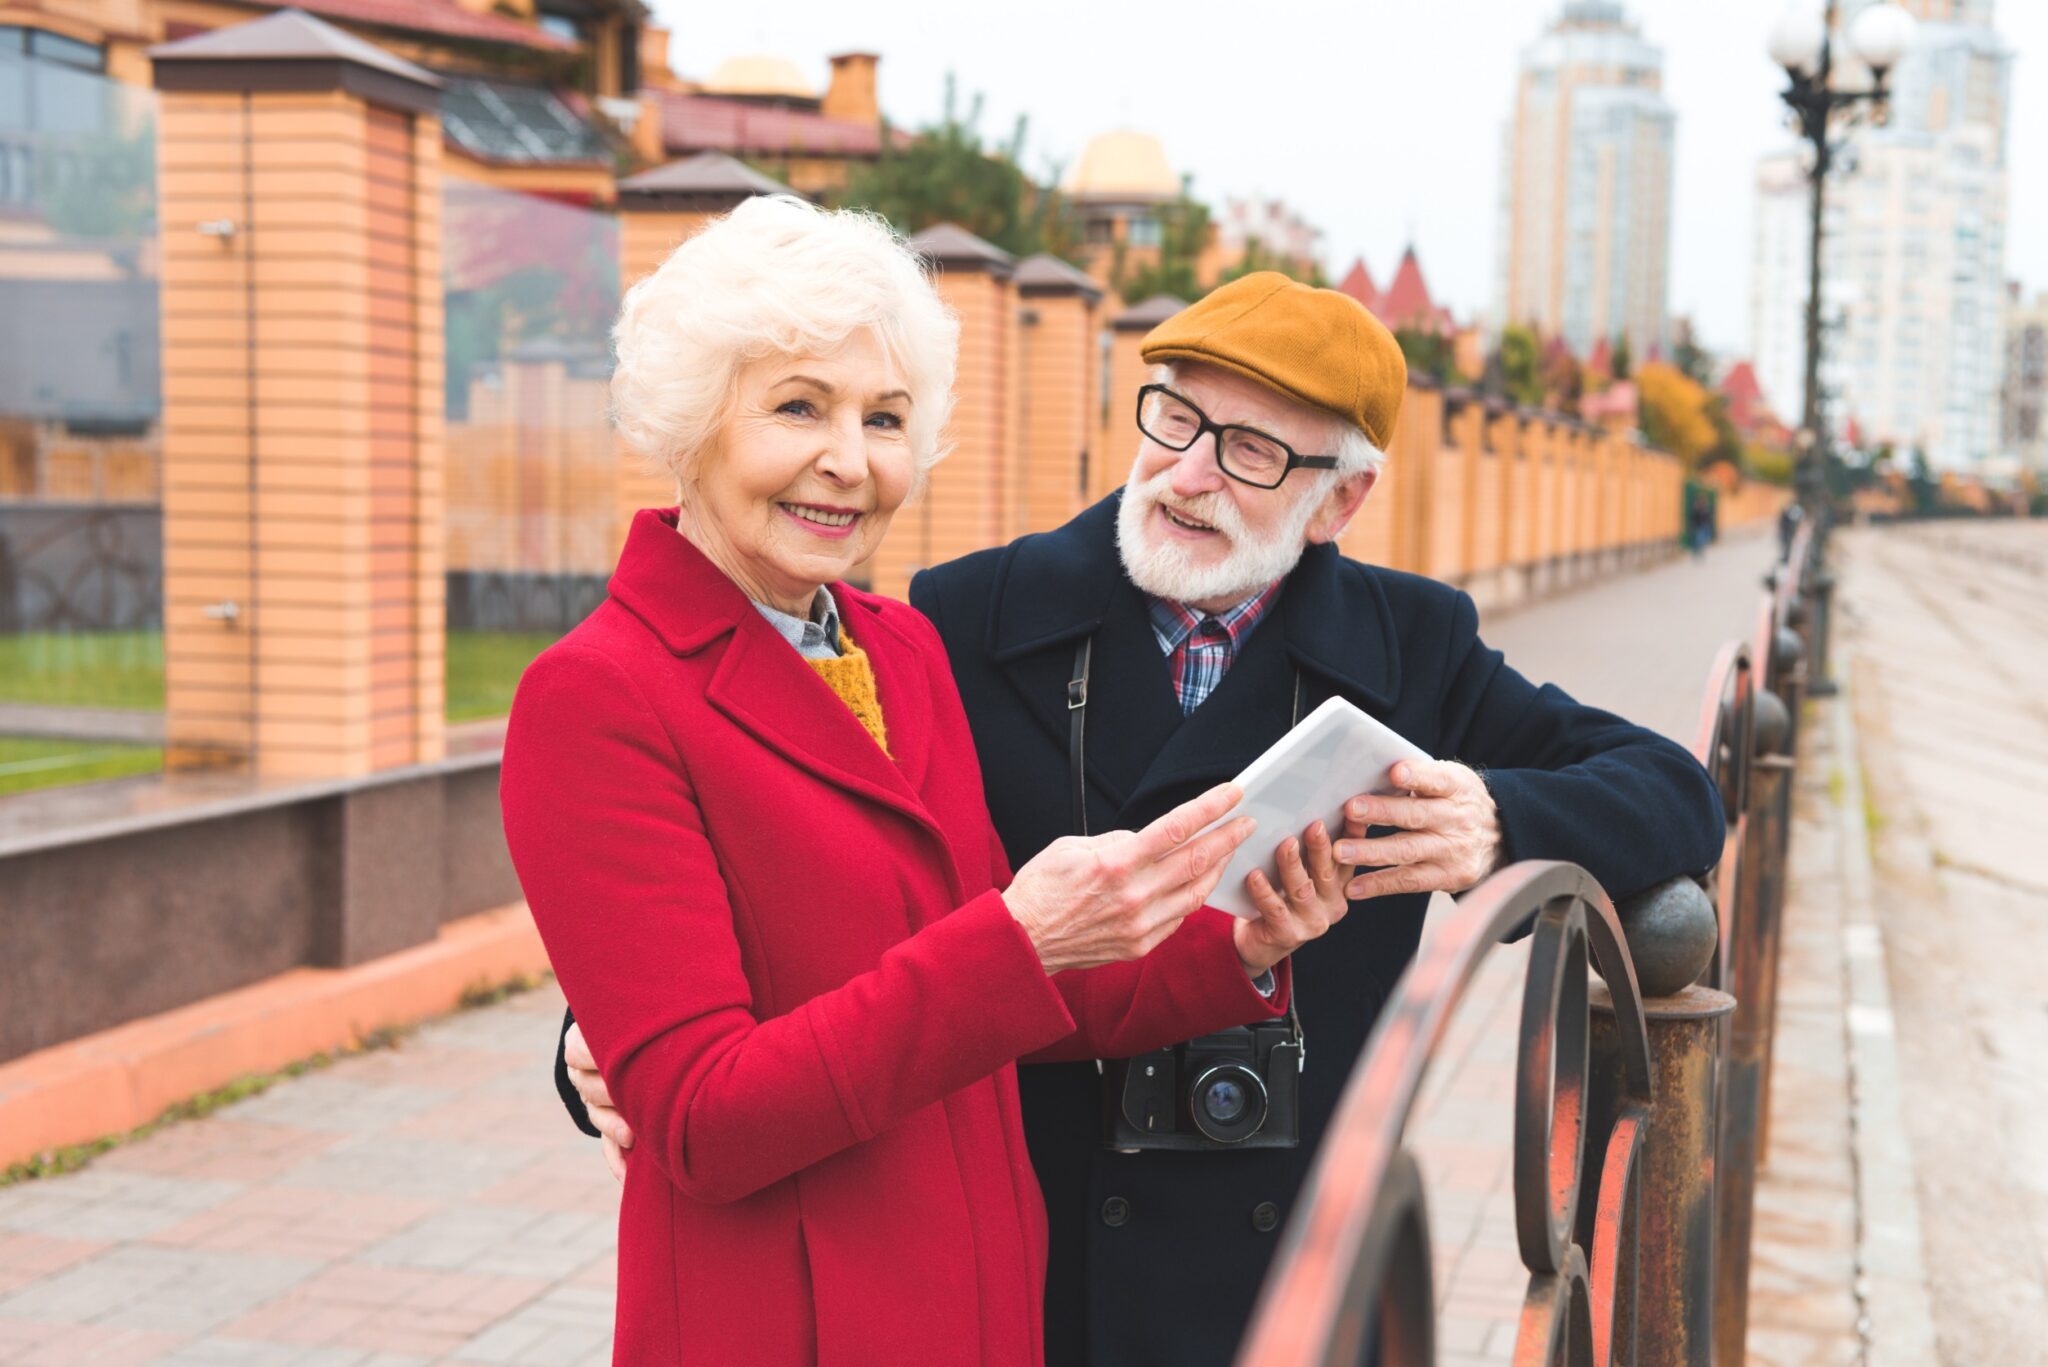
<point>1200,646</point>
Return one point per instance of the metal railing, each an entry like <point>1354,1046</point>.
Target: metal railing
<point>1639,1100</point>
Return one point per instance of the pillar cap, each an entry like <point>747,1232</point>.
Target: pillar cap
<point>707,182</point>
<point>1047,275</point>
<point>1148,315</point>
<point>951,247</point>
<point>293,50</point>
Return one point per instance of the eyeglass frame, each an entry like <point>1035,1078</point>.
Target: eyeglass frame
<point>1295,461</point>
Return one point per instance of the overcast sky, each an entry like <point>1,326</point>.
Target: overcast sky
<point>1379,121</point>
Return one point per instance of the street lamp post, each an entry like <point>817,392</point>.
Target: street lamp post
<point>1803,43</point>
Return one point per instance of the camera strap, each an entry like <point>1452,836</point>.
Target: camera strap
<point>1077,736</point>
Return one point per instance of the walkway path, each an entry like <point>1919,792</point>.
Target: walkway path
<point>1640,646</point>
<point>429,1203</point>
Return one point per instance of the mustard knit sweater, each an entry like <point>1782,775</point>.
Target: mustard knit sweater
<point>852,677</point>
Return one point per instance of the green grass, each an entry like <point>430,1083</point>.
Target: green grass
<point>125,669</point>
<point>28,762</point>
<point>122,669</point>
<point>484,667</point>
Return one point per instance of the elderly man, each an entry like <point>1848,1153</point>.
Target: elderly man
<point>1157,644</point>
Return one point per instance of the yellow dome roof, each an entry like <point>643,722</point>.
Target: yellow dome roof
<point>1124,164</point>
<point>759,75</point>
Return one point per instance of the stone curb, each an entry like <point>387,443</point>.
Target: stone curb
<point>1898,1316</point>
<point>114,1081</point>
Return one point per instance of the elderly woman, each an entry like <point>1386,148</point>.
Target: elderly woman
<point>746,811</point>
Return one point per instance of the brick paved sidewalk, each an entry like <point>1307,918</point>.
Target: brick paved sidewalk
<point>430,1204</point>
<point>424,1203</point>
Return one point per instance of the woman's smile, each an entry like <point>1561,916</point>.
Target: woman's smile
<point>823,519</point>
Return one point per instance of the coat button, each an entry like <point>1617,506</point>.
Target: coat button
<point>1265,1217</point>
<point>1115,1211</point>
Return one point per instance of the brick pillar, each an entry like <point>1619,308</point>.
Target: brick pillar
<point>658,211</point>
<point>299,183</point>
<point>1059,450</point>
<point>968,503</point>
<point>1117,405</point>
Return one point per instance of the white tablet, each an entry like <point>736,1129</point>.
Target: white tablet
<point>1336,753</point>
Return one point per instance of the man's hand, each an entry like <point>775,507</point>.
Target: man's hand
<point>1447,838</point>
<point>1309,900</point>
<point>597,1099</point>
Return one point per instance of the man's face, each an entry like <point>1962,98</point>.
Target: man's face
<point>1189,532</point>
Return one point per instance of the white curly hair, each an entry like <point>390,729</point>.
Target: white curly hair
<point>777,275</point>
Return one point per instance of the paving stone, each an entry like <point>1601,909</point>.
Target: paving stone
<point>106,1204</point>
<point>179,1291</point>
<point>345,1104</point>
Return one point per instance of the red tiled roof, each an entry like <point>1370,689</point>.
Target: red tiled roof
<point>443,17</point>
<point>1746,406</point>
<point>1357,283</point>
<point>701,123</point>
<point>1406,302</point>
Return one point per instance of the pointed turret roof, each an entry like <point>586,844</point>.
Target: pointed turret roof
<point>1407,302</point>
<point>1357,283</point>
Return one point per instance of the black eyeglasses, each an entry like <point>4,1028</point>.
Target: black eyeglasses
<point>1246,454</point>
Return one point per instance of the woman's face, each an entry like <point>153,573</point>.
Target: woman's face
<point>802,479</point>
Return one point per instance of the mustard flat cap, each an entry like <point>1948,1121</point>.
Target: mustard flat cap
<point>1318,347</point>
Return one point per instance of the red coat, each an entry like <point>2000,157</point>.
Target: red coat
<point>789,956</point>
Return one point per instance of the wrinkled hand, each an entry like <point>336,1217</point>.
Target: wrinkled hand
<point>1309,900</point>
<point>1090,900</point>
<point>597,1099</point>
<point>1448,835</point>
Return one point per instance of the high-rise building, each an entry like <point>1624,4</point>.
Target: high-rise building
<point>1914,251</point>
<point>1585,205</point>
<point>1778,282</point>
<point>2023,420</point>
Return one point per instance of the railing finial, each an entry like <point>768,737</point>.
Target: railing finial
<point>1672,933</point>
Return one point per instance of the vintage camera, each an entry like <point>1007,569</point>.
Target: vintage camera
<point>1239,1089</point>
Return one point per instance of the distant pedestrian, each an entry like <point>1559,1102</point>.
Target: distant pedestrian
<point>1699,523</point>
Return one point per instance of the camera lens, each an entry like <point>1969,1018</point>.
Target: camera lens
<point>1224,1101</point>
<point>1228,1103</point>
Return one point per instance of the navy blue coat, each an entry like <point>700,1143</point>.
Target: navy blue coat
<point>1173,1282</point>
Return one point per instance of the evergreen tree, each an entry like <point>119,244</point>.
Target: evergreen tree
<point>946,175</point>
<point>1183,233</point>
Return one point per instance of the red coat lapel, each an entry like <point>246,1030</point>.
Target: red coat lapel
<point>764,686</point>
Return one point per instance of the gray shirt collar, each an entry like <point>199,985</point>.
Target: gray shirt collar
<point>815,637</point>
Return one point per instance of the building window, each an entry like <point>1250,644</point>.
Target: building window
<point>41,46</point>
<point>1144,232</point>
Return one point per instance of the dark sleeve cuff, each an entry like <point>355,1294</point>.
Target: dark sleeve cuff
<point>578,1112</point>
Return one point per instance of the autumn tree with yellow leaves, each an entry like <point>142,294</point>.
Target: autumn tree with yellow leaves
<point>1675,412</point>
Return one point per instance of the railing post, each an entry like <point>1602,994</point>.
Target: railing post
<point>1671,934</point>
<point>1745,1098</point>
<point>1820,587</point>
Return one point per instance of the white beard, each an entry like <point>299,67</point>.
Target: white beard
<point>1167,569</point>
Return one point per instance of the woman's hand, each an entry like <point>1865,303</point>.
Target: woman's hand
<point>1089,900</point>
<point>1309,900</point>
<point>597,1099</point>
